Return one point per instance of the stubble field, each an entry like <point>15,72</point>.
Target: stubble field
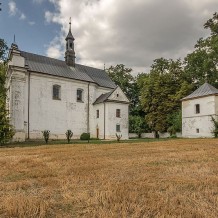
<point>176,178</point>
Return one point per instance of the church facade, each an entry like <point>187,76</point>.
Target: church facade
<point>50,94</point>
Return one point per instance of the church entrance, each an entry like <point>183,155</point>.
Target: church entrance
<point>97,133</point>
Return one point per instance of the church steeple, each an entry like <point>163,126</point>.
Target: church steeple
<point>70,53</point>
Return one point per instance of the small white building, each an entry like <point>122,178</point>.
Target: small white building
<point>197,109</point>
<point>50,94</point>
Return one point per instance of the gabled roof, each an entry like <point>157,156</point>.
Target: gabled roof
<point>103,97</point>
<point>55,67</point>
<point>108,97</point>
<point>204,90</point>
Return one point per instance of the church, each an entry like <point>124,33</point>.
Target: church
<point>50,94</point>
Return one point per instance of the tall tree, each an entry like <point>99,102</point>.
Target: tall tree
<point>161,92</point>
<point>6,131</point>
<point>202,64</point>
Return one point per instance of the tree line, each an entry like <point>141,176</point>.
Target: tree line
<point>156,96</point>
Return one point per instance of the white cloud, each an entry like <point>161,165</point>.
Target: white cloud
<point>54,49</point>
<point>133,33</point>
<point>22,16</point>
<point>12,8</point>
<point>38,1</point>
<point>31,23</point>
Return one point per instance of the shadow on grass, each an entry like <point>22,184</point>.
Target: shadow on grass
<point>32,143</point>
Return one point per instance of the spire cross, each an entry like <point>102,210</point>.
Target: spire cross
<point>70,23</point>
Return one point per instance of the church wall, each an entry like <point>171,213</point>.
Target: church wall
<point>57,115</point>
<point>194,124</point>
<point>112,120</point>
<point>17,102</point>
<point>95,92</point>
<point>60,115</point>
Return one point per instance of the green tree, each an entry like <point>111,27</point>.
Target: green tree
<point>137,125</point>
<point>174,121</point>
<point>161,92</point>
<point>201,64</point>
<point>6,131</point>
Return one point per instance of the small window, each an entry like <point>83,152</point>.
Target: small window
<point>79,95</point>
<point>71,45</point>
<point>56,92</point>
<point>197,130</point>
<point>118,127</point>
<point>197,108</point>
<point>117,95</point>
<point>97,113</point>
<point>118,113</point>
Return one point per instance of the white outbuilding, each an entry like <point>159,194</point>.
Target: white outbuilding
<point>197,110</point>
<point>50,94</point>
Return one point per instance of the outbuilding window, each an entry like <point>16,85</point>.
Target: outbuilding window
<point>79,95</point>
<point>97,113</point>
<point>118,113</point>
<point>56,92</point>
<point>197,108</point>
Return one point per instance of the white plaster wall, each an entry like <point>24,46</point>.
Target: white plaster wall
<point>111,120</point>
<point>202,121</point>
<point>95,92</point>
<point>57,115</point>
<point>99,122</point>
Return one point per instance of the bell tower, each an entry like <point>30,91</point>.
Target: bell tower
<point>70,53</point>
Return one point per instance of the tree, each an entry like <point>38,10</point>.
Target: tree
<point>161,92</point>
<point>6,131</point>
<point>202,64</point>
<point>123,78</point>
<point>137,125</point>
<point>175,122</point>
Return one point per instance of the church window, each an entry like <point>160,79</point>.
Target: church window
<point>97,113</point>
<point>118,113</point>
<point>197,130</point>
<point>118,128</point>
<point>71,45</point>
<point>79,95</point>
<point>56,92</point>
<point>197,108</point>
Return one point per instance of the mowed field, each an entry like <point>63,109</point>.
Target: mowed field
<point>175,178</point>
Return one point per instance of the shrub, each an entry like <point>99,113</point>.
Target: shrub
<point>46,134</point>
<point>69,135</point>
<point>85,136</point>
<point>215,124</point>
<point>118,137</point>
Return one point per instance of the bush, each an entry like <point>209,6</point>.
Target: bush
<point>118,137</point>
<point>85,136</point>
<point>69,135</point>
<point>46,134</point>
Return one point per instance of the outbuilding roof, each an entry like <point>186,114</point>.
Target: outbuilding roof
<point>55,67</point>
<point>103,97</point>
<point>204,90</point>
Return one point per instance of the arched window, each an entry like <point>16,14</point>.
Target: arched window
<point>79,95</point>
<point>56,92</point>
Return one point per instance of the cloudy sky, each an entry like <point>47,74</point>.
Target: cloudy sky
<point>133,32</point>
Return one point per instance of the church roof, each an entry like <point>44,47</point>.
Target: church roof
<point>70,35</point>
<point>204,90</point>
<point>55,67</point>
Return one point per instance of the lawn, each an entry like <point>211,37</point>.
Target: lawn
<point>173,178</point>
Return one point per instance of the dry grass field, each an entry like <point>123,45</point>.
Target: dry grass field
<point>176,178</point>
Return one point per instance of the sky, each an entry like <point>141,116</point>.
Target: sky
<point>110,32</point>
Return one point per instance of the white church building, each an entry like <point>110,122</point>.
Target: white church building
<point>55,95</point>
<point>197,109</point>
